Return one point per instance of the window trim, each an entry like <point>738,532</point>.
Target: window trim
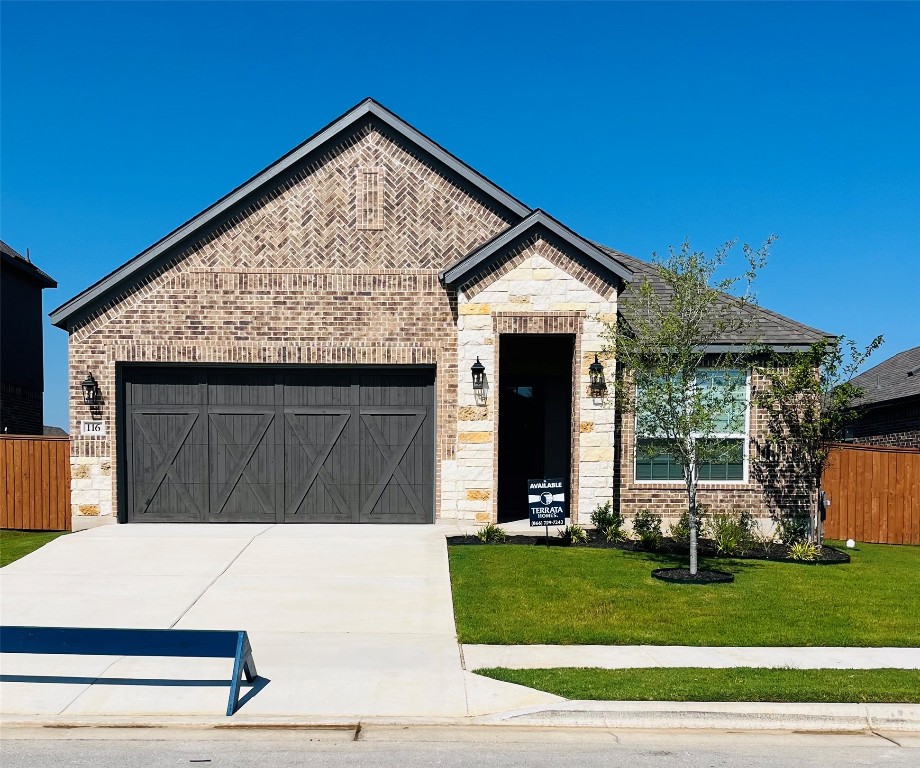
<point>745,438</point>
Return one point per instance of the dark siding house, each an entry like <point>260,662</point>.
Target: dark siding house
<point>889,408</point>
<point>21,365</point>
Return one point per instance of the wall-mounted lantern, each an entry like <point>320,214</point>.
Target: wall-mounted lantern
<point>479,376</point>
<point>598,384</point>
<point>90,390</point>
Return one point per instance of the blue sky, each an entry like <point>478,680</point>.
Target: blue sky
<point>636,124</point>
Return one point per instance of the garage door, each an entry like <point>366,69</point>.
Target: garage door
<point>278,445</point>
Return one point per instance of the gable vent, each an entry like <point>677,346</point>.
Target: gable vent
<point>369,198</point>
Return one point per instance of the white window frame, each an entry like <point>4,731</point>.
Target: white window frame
<point>745,438</point>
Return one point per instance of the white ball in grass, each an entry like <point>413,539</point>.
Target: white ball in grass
<point>851,544</point>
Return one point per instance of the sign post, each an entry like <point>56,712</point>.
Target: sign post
<point>547,503</point>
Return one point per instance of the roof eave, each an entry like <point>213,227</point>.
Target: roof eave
<point>460,269</point>
<point>28,269</point>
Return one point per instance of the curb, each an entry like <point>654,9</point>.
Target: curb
<point>719,715</point>
<point>638,715</point>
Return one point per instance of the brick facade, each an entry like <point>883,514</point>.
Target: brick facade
<point>757,496</point>
<point>896,425</point>
<point>293,280</point>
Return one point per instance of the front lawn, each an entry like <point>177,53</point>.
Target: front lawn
<point>16,544</point>
<point>529,595</point>
<point>895,686</point>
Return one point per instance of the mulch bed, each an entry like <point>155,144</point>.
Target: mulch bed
<point>705,548</point>
<point>683,576</point>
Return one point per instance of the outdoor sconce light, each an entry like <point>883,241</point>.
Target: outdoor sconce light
<point>479,376</point>
<point>90,390</point>
<point>596,372</point>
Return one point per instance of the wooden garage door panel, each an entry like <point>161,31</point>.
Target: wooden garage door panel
<point>242,464</point>
<point>273,445</point>
<point>396,447</point>
<point>167,466</point>
<point>320,465</point>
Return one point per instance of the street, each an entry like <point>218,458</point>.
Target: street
<point>411,747</point>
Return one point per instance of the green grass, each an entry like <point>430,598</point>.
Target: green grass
<point>739,684</point>
<point>16,544</point>
<point>555,595</point>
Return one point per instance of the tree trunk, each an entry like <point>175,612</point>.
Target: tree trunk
<point>691,514</point>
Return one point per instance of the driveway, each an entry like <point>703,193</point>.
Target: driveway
<point>345,621</point>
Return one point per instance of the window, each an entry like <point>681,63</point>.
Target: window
<point>722,457</point>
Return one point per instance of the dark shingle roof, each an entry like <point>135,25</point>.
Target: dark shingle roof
<point>768,328</point>
<point>20,262</point>
<point>894,379</point>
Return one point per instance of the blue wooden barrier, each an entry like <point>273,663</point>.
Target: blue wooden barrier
<point>199,643</point>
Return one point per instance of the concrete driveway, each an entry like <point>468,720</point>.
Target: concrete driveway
<point>345,621</point>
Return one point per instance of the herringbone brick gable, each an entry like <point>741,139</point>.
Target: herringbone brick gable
<point>310,220</point>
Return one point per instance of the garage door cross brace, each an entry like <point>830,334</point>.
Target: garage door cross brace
<point>166,460</point>
<point>242,460</point>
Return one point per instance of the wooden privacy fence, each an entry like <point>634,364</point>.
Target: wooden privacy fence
<point>35,483</point>
<point>874,493</point>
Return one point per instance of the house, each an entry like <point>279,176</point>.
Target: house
<point>367,331</point>
<point>889,406</point>
<point>22,377</point>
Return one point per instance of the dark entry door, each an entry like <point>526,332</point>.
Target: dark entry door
<point>279,445</point>
<point>535,415</point>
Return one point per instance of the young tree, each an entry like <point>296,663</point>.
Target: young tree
<point>682,345</point>
<point>808,400</point>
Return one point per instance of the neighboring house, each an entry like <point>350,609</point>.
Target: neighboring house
<point>22,379</point>
<point>889,407</point>
<point>303,351</point>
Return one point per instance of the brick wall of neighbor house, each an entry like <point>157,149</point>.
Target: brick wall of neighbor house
<point>537,289</point>
<point>670,499</point>
<point>894,425</point>
<point>20,410</point>
<point>292,279</point>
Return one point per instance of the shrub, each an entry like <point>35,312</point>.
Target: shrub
<point>793,526</point>
<point>732,532</point>
<point>680,531</point>
<point>574,534</point>
<point>491,534</point>
<point>647,526</point>
<point>609,523</point>
<point>803,550</point>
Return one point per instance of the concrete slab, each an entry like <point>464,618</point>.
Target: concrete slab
<point>345,621</point>
<point>41,684</point>
<point>271,603</point>
<point>485,695</point>
<point>83,600</point>
<point>102,558</point>
<point>626,656</point>
<point>206,531</point>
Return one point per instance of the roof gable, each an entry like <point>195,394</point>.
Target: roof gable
<point>367,111</point>
<point>537,223</point>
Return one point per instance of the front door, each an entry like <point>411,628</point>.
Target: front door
<point>535,415</point>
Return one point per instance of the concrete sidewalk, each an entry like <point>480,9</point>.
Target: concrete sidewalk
<point>626,656</point>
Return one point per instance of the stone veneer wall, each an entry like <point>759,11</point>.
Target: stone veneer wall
<point>291,279</point>
<point>539,288</point>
